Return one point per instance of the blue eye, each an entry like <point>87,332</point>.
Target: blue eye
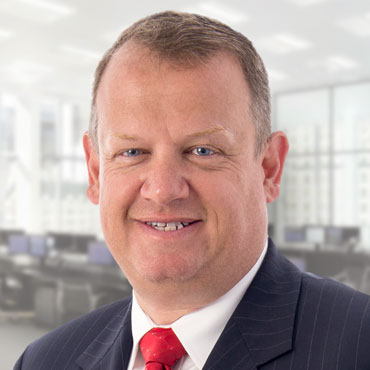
<point>202,151</point>
<point>132,152</point>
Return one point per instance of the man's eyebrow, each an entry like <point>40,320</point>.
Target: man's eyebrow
<point>125,137</point>
<point>208,131</point>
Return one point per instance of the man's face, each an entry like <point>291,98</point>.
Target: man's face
<point>182,196</point>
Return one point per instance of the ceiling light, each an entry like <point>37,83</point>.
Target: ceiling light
<point>306,2</point>
<point>87,54</point>
<point>41,11</point>
<point>30,67</point>
<point>292,41</point>
<point>359,26</point>
<point>283,43</point>
<point>50,6</point>
<point>5,34</point>
<point>113,36</point>
<point>26,71</point>
<point>223,13</point>
<point>275,75</point>
<point>335,63</point>
<point>338,62</point>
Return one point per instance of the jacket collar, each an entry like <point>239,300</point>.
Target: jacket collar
<point>111,349</point>
<point>261,328</point>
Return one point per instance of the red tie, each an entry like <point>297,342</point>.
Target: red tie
<point>161,349</point>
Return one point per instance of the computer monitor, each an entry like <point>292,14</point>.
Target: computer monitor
<point>38,245</point>
<point>5,233</point>
<point>350,234</point>
<point>334,235</point>
<point>294,234</point>
<point>70,242</point>
<point>315,234</point>
<point>80,242</point>
<point>99,254</point>
<point>18,244</point>
<point>342,235</point>
<point>60,241</point>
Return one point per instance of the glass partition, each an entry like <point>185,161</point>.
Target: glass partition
<point>327,174</point>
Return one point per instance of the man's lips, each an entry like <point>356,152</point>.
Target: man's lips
<point>166,219</point>
<point>168,224</point>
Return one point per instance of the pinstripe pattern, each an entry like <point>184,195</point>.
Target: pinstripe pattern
<point>286,320</point>
<point>289,320</point>
<point>91,341</point>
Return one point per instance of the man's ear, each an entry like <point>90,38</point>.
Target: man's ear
<point>274,155</point>
<point>92,161</point>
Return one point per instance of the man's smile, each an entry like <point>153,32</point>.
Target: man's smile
<point>168,226</point>
<point>165,227</point>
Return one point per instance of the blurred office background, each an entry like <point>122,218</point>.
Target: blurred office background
<point>54,264</point>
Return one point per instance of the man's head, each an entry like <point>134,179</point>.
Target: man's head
<point>181,187</point>
<point>189,39</point>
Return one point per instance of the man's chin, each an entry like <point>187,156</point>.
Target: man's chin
<point>169,275</point>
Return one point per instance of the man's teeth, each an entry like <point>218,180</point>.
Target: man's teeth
<point>167,226</point>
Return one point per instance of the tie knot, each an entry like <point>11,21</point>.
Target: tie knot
<point>161,346</point>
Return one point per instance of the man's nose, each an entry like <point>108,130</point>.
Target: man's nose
<point>165,181</point>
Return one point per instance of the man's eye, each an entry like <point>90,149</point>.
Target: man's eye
<point>202,151</point>
<point>132,152</point>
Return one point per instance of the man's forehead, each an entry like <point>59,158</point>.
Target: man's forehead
<point>136,71</point>
<point>133,58</point>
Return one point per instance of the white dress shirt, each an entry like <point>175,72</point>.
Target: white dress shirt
<point>197,331</point>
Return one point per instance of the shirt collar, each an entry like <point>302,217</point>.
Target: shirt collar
<point>205,324</point>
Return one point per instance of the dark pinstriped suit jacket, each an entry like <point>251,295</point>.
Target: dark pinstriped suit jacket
<point>287,320</point>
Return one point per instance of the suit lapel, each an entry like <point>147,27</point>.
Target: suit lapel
<point>261,328</point>
<point>230,351</point>
<point>111,349</point>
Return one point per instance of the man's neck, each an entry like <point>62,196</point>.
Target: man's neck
<point>168,310</point>
<point>166,303</point>
<point>165,317</point>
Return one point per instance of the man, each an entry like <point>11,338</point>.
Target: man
<point>182,162</point>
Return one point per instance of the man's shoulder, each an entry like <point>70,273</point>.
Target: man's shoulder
<point>331,320</point>
<point>333,308</point>
<point>325,287</point>
<point>318,292</point>
<point>88,324</point>
<point>69,340</point>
